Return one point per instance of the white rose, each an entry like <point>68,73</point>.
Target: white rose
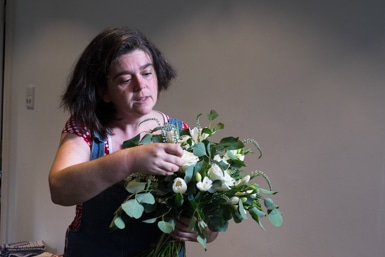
<point>179,186</point>
<point>216,173</point>
<point>189,159</point>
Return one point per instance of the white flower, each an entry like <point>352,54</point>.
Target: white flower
<point>183,141</point>
<point>170,136</point>
<point>216,173</point>
<point>243,181</point>
<point>189,159</point>
<point>204,185</point>
<point>179,186</point>
<point>197,135</point>
<point>235,155</point>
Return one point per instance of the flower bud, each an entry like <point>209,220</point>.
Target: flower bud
<point>179,186</point>
<point>198,177</point>
<point>234,200</point>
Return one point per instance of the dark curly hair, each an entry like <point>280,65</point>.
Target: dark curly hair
<point>90,73</point>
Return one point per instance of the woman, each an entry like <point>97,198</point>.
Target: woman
<point>111,95</point>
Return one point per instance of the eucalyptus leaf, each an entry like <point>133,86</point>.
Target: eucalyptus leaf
<point>275,217</point>
<point>135,187</point>
<point>188,174</point>
<point>270,205</point>
<point>150,221</point>
<point>256,214</point>
<point>166,227</point>
<point>199,149</point>
<point>267,192</point>
<point>241,210</point>
<point>145,198</point>
<point>202,241</point>
<point>119,223</point>
<point>133,209</point>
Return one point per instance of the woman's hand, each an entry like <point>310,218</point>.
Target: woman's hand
<point>183,233</point>
<point>156,159</point>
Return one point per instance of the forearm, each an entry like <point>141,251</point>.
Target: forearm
<point>75,179</point>
<point>80,182</point>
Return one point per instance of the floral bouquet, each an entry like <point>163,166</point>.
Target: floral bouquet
<point>210,189</point>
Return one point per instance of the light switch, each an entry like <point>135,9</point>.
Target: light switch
<point>30,97</point>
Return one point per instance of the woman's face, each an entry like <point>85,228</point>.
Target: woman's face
<point>132,85</point>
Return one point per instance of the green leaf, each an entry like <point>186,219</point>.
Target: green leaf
<point>256,214</point>
<point>218,224</point>
<point>212,115</point>
<point>207,131</point>
<point>119,223</point>
<point>231,143</point>
<point>193,222</point>
<point>188,174</point>
<point>157,139</point>
<point>133,209</point>
<point>220,126</point>
<point>166,227</point>
<point>145,198</point>
<point>147,139</point>
<point>270,205</point>
<point>241,210</point>
<point>275,217</point>
<point>202,241</point>
<point>268,192</point>
<point>199,149</point>
<point>178,199</point>
<point>150,221</point>
<point>131,142</point>
<point>148,208</point>
<point>135,187</point>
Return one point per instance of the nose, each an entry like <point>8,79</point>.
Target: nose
<point>140,83</point>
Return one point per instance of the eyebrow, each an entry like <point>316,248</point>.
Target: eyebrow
<point>125,72</point>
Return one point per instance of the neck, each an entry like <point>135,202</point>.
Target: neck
<point>128,128</point>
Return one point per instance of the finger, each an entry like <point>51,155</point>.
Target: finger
<point>173,149</point>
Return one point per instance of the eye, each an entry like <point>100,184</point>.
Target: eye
<point>124,80</point>
<point>147,73</point>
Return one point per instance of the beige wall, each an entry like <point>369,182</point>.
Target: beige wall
<point>306,80</point>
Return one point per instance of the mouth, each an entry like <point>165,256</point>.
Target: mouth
<point>141,99</point>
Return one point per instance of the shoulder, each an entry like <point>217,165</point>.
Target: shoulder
<point>72,127</point>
